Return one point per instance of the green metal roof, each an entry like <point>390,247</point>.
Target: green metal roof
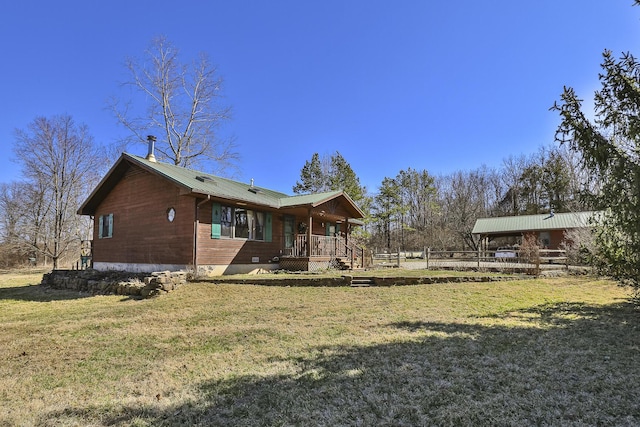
<point>309,199</point>
<point>515,224</point>
<point>201,183</point>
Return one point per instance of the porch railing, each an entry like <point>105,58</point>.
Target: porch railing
<point>326,246</point>
<point>318,246</point>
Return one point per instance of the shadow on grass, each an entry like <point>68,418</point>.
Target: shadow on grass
<point>554,364</point>
<point>38,293</point>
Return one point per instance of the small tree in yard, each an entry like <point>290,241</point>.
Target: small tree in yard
<point>579,245</point>
<point>530,253</point>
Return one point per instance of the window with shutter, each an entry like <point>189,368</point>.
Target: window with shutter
<point>216,221</point>
<point>105,226</point>
<point>240,223</point>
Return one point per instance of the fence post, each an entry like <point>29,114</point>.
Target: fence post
<point>428,255</point>
<point>398,257</point>
<point>478,257</point>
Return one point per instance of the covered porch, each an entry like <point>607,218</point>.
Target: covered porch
<point>317,233</point>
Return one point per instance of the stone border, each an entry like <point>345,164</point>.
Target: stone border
<point>429,280</point>
<point>136,285</point>
<point>147,285</point>
<point>348,280</point>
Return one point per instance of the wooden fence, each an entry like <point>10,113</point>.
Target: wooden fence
<point>503,259</point>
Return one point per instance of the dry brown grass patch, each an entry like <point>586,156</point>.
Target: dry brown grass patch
<point>556,351</point>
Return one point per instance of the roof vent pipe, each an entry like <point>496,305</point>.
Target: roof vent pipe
<point>251,182</point>
<point>152,141</point>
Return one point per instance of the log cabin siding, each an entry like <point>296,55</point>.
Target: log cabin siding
<point>226,251</point>
<point>141,231</point>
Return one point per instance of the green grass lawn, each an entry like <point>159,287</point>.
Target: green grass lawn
<point>560,351</point>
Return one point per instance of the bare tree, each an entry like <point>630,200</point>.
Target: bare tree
<point>13,248</point>
<point>417,192</point>
<point>512,168</point>
<point>60,164</point>
<point>466,196</point>
<point>184,109</point>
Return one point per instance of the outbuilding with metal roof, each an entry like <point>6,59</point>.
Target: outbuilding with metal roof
<point>549,228</point>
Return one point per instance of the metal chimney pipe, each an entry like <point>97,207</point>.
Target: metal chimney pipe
<point>151,140</point>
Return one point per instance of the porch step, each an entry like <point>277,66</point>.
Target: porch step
<point>361,282</point>
<point>345,264</point>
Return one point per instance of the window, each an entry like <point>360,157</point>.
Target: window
<point>105,226</point>
<point>545,239</point>
<point>256,226</point>
<point>226,221</point>
<point>240,223</point>
<point>242,226</point>
<point>289,233</point>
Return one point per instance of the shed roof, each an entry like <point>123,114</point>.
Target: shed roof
<point>198,183</point>
<point>515,224</point>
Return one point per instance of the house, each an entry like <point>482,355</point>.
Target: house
<point>152,216</point>
<point>548,229</point>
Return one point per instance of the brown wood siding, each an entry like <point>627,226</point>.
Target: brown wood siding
<point>225,251</point>
<point>556,238</point>
<point>331,211</point>
<point>141,231</point>
<point>318,227</point>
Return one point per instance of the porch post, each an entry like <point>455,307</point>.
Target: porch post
<point>309,234</point>
<point>346,231</point>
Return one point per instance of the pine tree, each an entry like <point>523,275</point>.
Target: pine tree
<point>610,148</point>
<point>312,178</point>
<point>332,173</point>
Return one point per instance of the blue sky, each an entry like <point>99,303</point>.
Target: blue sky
<point>435,85</point>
